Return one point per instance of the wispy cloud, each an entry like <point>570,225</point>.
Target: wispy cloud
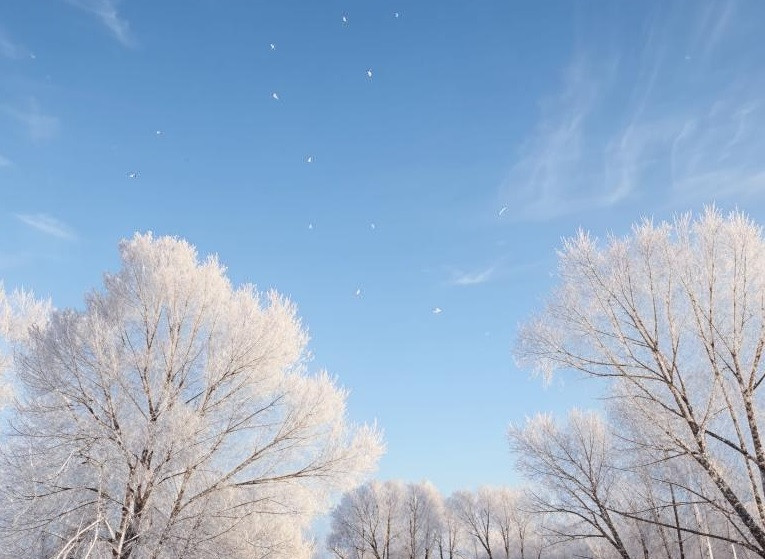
<point>659,121</point>
<point>718,152</point>
<point>501,268</point>
<point>37,125</point>
<point>559,170</point>
<point>48,225</point>
<point>11,49</point>
<point>475,277</point>
<point>106,12</point>
<point>713,23</point>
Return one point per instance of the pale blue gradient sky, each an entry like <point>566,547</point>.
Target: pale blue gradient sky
<point>569,113</point>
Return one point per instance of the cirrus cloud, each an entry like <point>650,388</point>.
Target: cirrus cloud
<point>48,225</point>
<point>106,12</point>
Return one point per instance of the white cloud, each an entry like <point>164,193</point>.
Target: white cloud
<point>48,225</point>
<point>502,268</point>
<point>717,153</point>
<point>559,170</point>
<point>472,278</point>
<point>106,12</point>
<point>653,124</point>
<point>38,126</point>
<point>713,24</point>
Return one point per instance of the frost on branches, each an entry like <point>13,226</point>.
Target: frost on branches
<point>173,417</point>
<point>19,313</point>
<point>674,316</point>
<point>392,520</point>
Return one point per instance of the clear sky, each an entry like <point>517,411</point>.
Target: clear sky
<point>486,132</point>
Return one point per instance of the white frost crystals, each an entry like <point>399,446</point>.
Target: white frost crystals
<point>673,318</point>
<point>19,314</point>
<point>173,417</point>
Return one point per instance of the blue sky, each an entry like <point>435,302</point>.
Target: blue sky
<point>567,114</point>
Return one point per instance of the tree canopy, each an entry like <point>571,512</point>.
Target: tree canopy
<point>674,316</point>
<point>173,416</point>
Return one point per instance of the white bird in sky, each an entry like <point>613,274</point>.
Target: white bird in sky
<point>502,211</point>
<point>272,45</point>
<point>345,19</point>
<point>309,159</point>
<point>369,73</point>
<point>372,226</point>
<point>132,175</point>
<point>396,14</point>
<point>275,96</point>
<point>358,292</point>
<point>158,133</point>
<point>437,310</point>
<point>310,226</point>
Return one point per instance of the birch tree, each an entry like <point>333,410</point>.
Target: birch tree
<point>173,416</point>
<point>674,315</point>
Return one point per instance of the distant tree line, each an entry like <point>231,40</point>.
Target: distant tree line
<point>387,520</point>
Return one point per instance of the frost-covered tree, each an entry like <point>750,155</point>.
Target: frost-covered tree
<point>576,475</point>
<point>392,520</point>
<point>19,313</point>
<point>514,521</point>
<point>488,518</point>
<point>369,522</point>
<point>674,315</point>
<point>172,416</point>
<point>473,510</point>
<point>388,520</point>
<point>451,535</point>
<point>423,511</point>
